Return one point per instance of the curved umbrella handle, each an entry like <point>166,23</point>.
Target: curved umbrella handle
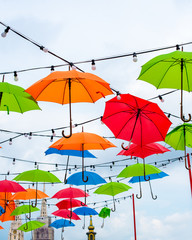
<point>70,215</point>
<point>144,171</point>
<point>35,205</point>
<point>114,207</point>
<point>26,226</point>
<point>68,136</point>
<point>102,223</point>
<point>187,167</point>
<point>84,180</point>
<point>183,118</point>
<point>153,197</point>
<point>137,196</point>
<point>122,145</point>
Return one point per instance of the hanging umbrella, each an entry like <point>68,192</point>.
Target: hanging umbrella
<point>36,176</point>
<point>112,189</point>
<point>85,211</point>
<point>83,141</point>
<point>172,70</point>
<point>65,213</point>
<point>151,177</point>
<point>75,153</point>
<point>61,223</point>
<point>144,150</point>
<point>23,210</point>
<point>8,205</point>
<point>69,203</point>
<point>135,119</point>
<point>30,193</point>
<point>139,169</point>
<point>30,226</point>
<point>14,98</point>
<point>66,87</point>
<point>180,138</point>
<point>105,212</point>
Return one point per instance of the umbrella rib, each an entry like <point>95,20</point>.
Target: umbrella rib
<point>64,89</point>
<point>43,89</point>
<point>186,75</point>
<point>18,103</point>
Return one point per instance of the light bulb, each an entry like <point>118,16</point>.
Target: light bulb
<point>134,57</point>
<point>30,135</point>
<point>4,34</point>
<point>10,141</point>
<point>118,97</point>
<point>73,67</point>
<point>93,66</point>
<point>45,49</point>
<point>15,76</point>
<point>161,99</point>
<point>51,139</point>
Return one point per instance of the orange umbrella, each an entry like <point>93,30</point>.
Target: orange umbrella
<point>66,87</point>
<point>29,194</point>
<point>83,141</point>
<point>9,204</point>
<point>1,228</point>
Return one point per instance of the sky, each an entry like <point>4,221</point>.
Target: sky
<point>85,30</point>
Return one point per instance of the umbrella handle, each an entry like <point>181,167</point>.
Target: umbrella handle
<point>187,167</point>
<point>114,207</point>
<point>102,223</point>
<point>144,171</point>
<point>69,112</point>
<point>84,223</point>
<point>65,179</point>
<point>35,205</point>
<point>137,196</point>
<point>26,226</point>
<point>183,118</point>
<point>84,180</point>
<point>153,197</point>
<point>70,215</point>
<point>122,145</point>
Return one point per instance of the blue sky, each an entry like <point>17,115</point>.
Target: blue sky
<point>84,30</point>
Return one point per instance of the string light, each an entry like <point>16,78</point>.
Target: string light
<point>69,170</point>
<point>177,47</point>
<point>169,115</point>
<point>118,96</point>
<point>35,165</point>
<point>44,49</point>
<point>30,136</point>
<point>160,98</point>
<point>52,68</point>
<point>51,139</point>
<point>4,34</point>
<point>53,132</point>
<point>93,66</point>
<point>15,76</point>
<point>13,161</point>
<point>10,141</point>
<point>135,57</point>
<point>56,166</point>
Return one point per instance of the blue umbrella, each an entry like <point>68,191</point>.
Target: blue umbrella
<point>85,211</point>
<point>93,179</point>
<point>61,223</point>
<point>74,153</point>
<point>140,179</point>
<point>154,176</point>
<point>68,153</point>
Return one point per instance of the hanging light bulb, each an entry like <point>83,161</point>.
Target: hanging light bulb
<point>69,170</point>
<point>75,167</point>
<point>118,96</point>
<point>56,166</point>
<point>15,76</point>
<point>30,135</point>
<point>52,68</point>
<point>177,47</point>
<point>134,57</point>
<point>4,34</point>
<point>160,98</point>
<point>169,115</point>
<point>111,168</point>
<point>10,141</point>
<point>73,67</point>
<point>51,139</point>
<point>44,49</point>
<point>13,161</point>
<point>53,132</point>
<point>93,168</point>
<point>35,164</point>
<point>93,66</point>
<point>25,134</point>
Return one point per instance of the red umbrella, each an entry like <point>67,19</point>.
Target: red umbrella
<point>10,186</point>
<point>144,150</point>
<point>69,203</point>
<point>135,119</point>
<point>65,213</point>
<point>70,193</point>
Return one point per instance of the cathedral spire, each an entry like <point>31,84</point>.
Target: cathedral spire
<point>43,205</point>
<point>91,234</point>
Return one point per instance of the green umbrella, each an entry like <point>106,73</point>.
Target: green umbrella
<point>139,169</point>
<point>14,98</point>
<point>37,176</point>
<point>112,189</point>
<point>105,212</point>
<point>180,138</point>
<point>30,226</point>
<point>172,70</point>
<point>23,210</point>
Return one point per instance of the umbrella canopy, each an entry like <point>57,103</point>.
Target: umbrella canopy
<point>112,189</point>
<point>74,153</point>
<point>69,203</point>
<point>153,176</point>
<point>180,138</point>
<point>61,223</point>
<point>30,193</point>
<point>65,213</point>
<point>65,87</point>
<point>85,211</point>
<point>8,205</point>
<point>172,70</point>
<point>14,98</point>
<point>10,186</point>
<point>138,169</point>
<point>1,228</point>
<point>23,210</point>
<point>70,193</point>
<point>144,150</point>
<point>135,119</point>
<point>83,141</point>
<point>30,226</point>
<point>37,175</point>
<point>93,179</point>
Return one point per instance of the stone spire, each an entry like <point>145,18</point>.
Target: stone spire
<point>43,205</point>
<point>15,234</point>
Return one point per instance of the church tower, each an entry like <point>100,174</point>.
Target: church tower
<point>15,234</point>
<point>91,234</point>
<point>45,232</point>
